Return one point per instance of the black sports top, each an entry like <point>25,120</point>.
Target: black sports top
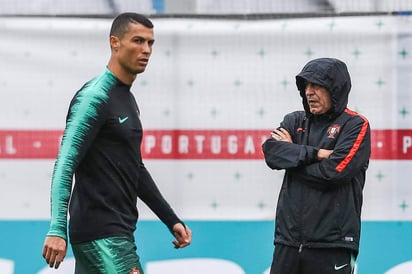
<point>101,147</point>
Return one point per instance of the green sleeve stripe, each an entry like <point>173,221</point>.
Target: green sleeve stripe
<point>82,116</point>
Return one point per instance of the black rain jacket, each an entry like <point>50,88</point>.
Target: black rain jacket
<point>319,204</point>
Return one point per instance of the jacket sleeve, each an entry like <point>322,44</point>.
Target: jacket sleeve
<point>350,156</point>
<point>149,193</point>
<point>284,155</point>
<point>82,124</point>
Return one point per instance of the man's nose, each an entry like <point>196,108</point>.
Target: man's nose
<point>309,90</point>
<point>147,48</point>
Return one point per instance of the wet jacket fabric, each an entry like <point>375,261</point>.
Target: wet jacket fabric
<point>320,201</point>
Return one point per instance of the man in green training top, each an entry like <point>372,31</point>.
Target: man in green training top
<point>101,148</point>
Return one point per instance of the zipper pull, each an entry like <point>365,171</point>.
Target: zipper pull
<point>300,248</point>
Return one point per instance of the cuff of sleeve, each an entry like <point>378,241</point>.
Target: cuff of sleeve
<point>57,234</point>
<point>171,226</point>
<point>309,155</point>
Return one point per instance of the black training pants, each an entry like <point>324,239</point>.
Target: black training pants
<point>291,260</point>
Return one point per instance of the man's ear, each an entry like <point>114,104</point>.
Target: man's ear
<point>114,42</point>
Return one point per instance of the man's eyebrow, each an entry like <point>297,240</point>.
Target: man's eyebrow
<point>143,38</point>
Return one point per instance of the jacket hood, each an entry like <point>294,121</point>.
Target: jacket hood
<point>331,74</point>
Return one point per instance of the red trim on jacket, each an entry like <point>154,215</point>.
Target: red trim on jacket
<point>342,165</point>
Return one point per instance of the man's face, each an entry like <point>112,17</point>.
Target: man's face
<point>318,98</point>
<point>133,50</point>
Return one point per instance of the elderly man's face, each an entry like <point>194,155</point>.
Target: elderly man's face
<point>318,98</point>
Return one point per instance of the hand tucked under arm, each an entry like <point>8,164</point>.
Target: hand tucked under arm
<point>324,153</point>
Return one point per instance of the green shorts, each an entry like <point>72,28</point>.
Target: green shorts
<point>113,255</point>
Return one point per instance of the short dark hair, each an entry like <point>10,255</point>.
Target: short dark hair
<point>120,24</point>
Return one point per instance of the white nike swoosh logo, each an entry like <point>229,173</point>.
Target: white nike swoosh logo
<point>122,120</point>
<point>340,267</point>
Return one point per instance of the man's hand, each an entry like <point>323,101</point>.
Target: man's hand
<point>324,153</point>
<point>281,134</point>
<point>183,235</point>
<point>54,250</point>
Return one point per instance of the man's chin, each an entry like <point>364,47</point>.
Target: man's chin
<point>141,69</point>
<point>315,111</point>
<point>138,71</point>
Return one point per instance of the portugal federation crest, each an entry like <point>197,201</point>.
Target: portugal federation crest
<point>333,131</point>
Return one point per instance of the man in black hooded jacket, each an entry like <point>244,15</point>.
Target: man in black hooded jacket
<point>325,153</point>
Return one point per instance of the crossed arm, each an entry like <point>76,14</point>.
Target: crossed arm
<point>283,135</point>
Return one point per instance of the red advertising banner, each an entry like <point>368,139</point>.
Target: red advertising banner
<point>205,144</point>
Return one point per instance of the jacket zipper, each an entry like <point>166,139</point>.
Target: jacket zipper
<point>304,140</point>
